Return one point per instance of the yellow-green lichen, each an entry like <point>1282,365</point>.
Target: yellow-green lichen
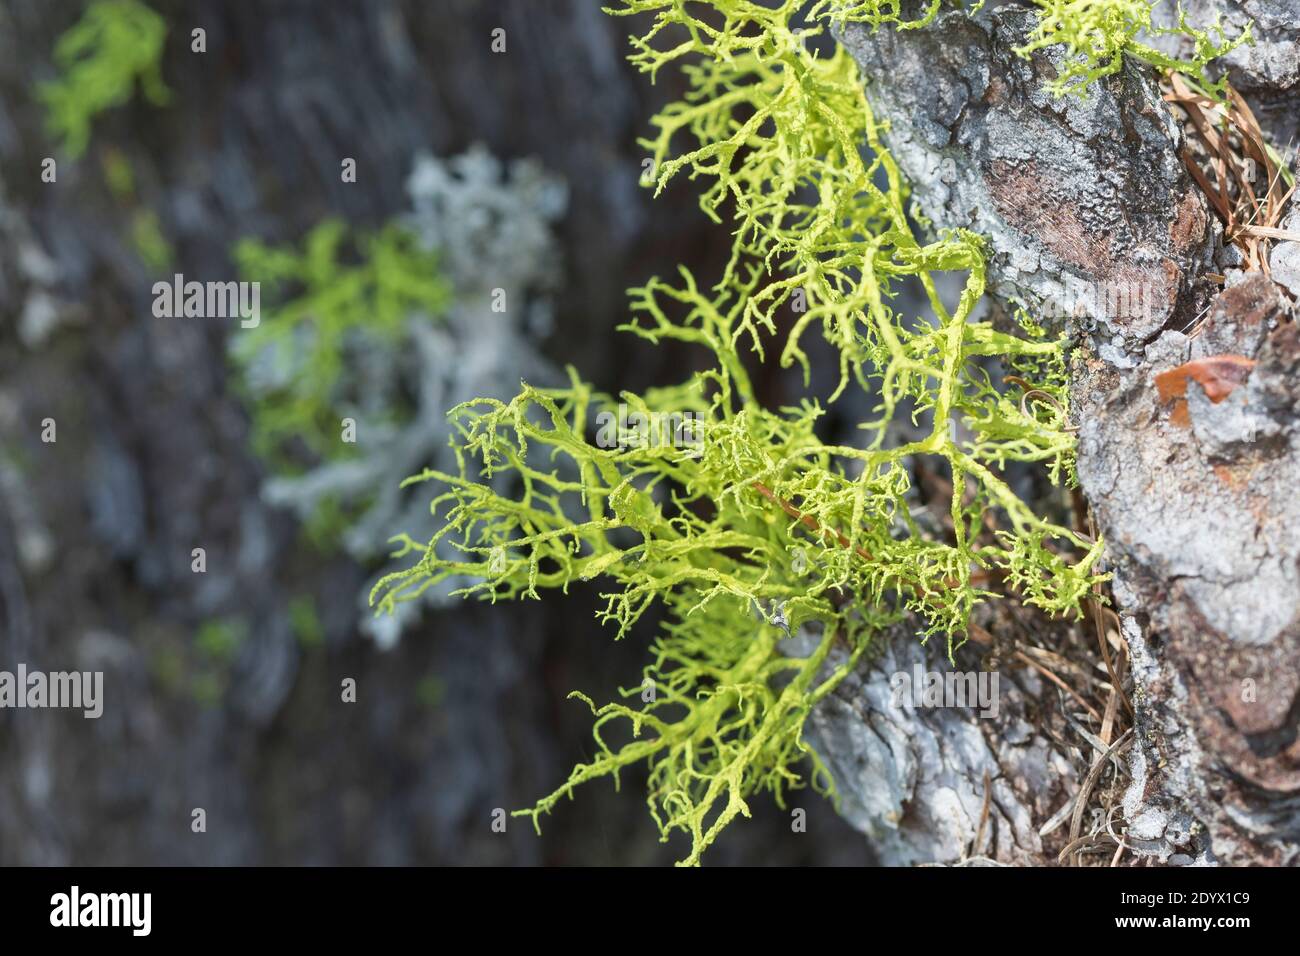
<point>758,510</point>
<point>115,46</point>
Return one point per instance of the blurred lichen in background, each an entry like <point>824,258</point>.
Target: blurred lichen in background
<point>340,315</point>
<point>115,45</point>
<point>348,377</point>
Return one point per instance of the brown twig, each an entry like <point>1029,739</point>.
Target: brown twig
<point>1094,604</point>
<point>1251,218</point>
<point>809,521</point>
<point>1085,791</point>
<point>1021,655</point>
<point>978,576</point>
<point>984,816</point>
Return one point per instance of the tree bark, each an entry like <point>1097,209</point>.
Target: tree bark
<point>1092,219</point>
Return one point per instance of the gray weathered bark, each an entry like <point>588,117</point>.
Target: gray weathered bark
<point>1092,217</point>
<point>948,785</point>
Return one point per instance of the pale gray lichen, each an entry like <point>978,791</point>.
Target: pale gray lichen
<point>492,227</point>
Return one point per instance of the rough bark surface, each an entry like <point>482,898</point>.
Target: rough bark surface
<point>947,785</point>
<point>1198,503</point>
<point>1267,71</point>
<point>1076,196</point>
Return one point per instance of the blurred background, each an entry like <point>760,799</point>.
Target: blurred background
<point>493,159</point>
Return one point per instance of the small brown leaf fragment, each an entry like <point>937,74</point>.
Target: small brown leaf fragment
<point>1219,375</point>
<point>1180,416</point>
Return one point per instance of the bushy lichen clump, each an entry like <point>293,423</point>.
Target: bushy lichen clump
<point>761,511</point>
<point>1097,34</point>
<point>116,45</point>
